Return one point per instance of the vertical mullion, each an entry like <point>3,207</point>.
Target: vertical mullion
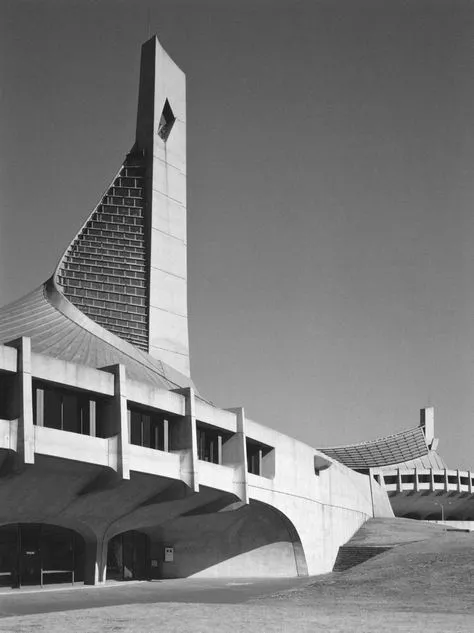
<point>39,397</point>
<point>165,435</point>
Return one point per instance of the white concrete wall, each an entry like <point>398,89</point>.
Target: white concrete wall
<point>325,509</point>
<point>315,511</point>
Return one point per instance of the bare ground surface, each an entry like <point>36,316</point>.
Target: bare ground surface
<point>193,618</point>
<point>424,585</point>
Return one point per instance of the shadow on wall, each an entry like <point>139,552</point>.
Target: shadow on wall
<point>253,540</point>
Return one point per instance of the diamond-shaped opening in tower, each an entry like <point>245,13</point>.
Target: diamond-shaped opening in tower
<point>167,120</point>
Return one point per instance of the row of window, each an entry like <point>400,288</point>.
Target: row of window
<point>77,412</point>
<point>425,479</point>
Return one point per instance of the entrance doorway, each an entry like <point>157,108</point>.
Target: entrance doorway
<point>127,556</point>
<point>34,554</point>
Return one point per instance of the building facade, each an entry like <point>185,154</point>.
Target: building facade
<point>417,480</point>
<point>112,465</point>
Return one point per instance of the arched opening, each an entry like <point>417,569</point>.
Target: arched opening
<point>128,556</point>
<point>238,540</point>
<point>40,554</point>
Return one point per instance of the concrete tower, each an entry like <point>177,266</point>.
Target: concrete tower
<point>126,268</point>
<point>161,136</point>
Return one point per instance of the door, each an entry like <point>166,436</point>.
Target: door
<point>30,555</point>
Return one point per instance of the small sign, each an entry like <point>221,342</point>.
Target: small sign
<point>154,562</point>
<point>169,554</point>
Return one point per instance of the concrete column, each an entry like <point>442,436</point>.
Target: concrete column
<point>416,483</point>
<point>399,480</point>
<point>469,479</point>
<point>446,481</point>
<point>22,402</point>
<point>116,421</point>
<point>432,480</point>
<point>166,436</point>
<point>39,408</point>
<point>95,562</point>
<point>92,418</point>
<point>234,453</point>
<point>183,440</point>
<point>371,478</point>
<point>458,479</point>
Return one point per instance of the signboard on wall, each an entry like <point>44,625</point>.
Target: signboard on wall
<point>169,554</point>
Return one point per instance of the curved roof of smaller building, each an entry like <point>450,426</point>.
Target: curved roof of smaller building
<point>392,449</point>
<point>58,329</point>
<point>431,460</point>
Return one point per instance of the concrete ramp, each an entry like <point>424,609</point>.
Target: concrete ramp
<point>377,536</point>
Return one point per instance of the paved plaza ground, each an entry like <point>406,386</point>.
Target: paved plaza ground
<point>416,587</point>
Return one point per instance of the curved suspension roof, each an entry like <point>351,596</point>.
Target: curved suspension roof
<point>57,328</point>
<point>392,449</point>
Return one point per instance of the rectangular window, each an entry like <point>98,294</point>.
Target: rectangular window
<point>7,391</point>
<point>63,410</point>
<point>53,415</point>
<point>209,443</point>
<point>260,459</point>
<point>148,429</point>
<point>254,460</point>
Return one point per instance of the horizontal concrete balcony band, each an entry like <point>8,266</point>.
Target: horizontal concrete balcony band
<point>145,394</point>
<point>424,488</point>
<point>219,418</point>
<point>260,481</point>
<point>67,445</point>
<point>72,375</point>
<point>154,462</point>
<point>216,476</point>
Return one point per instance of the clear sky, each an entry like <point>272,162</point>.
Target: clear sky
<point>330,188</point>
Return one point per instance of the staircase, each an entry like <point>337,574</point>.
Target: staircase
<point>351,555</point>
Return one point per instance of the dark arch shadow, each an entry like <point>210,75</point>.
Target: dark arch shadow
<point>40,554</point>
